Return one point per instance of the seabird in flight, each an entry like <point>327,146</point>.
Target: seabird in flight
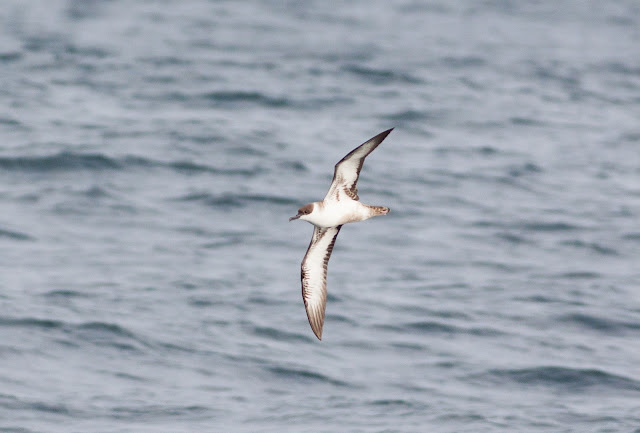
<point>340,206</point>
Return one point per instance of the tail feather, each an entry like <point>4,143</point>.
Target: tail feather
<point>379,210</point>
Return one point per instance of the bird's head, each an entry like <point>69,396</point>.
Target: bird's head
<point>303,212</point>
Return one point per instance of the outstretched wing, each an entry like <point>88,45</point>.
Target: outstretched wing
<point>347,171</point>
<point>314,275</point>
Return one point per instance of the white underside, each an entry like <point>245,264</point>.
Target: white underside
<point>335,213</point>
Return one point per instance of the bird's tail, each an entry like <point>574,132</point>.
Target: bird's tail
<point>379,210</point>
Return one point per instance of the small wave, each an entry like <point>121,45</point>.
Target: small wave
<point>298,375</point>
<point>600,324</point>
<point>221,98</point>
<point>60,161</point>
<point>224,240</point>
<point>65,294</point>
<point>14,403</point>
<point>105,328</point>
<point>524,169</point>
<point>18,236</point>
<point>340,318</point>
<point>462,62</point>
<point>565,378</point>
<point>408,346</point>
<point>235,200</point>
<point>433,327</point>
<point>98,333</point>
<point>540,299</point>
<point>293,165</point>
<point>11,122</point>
<point>391,404</point>
<point>513,238</point>
<point>486,150</point>
<point>525,121</point>
<point>555,74</point>
<point>265,300</point>
<point>93,192</point>
<point>105,335</point>
<point>201,302</point>
<point>10,56</point>
<point>84,10</point>
<point>15,430</point>
<point>280,335</point>
<point>30,322</point>
<point>246,150</point>
<point>632,236</point>
<point>493,264</point>
<point>592,246</point>
<point>192,167</point>
<point>552,226</point>
<point>621,68</point>
<point>72,161</point>
<point>167,60</point>
<point>130,377</point>
<point>579,275</point>
<point>86,51</point>
<point>239,96</point>
<point>631,137</point>
<point>224,200</point>
<point>159,411</point>
<point>407,116</point>
<point>381,76</point>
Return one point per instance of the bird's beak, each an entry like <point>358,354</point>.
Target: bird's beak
<point>294,217</point>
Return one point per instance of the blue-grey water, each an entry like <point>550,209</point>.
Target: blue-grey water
<point>151,153</point>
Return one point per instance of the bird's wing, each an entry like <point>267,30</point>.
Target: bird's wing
<point>314,275</point>
<point>347,171</point>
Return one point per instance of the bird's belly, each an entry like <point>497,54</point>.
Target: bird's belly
<point>342,214</point>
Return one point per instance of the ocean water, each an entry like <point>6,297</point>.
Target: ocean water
<point>151,153</point>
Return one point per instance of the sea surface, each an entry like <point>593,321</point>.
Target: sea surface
<point>151,153</point>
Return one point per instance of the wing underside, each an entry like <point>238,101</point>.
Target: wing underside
<point>314,275</point>
<point>347,170</point>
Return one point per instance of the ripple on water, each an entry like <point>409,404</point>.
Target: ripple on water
<point>299,375</point>
<point>26,404</point>
<point>60,161</point>
<point>102,334</point>
<point>74,161</point>
<point>565,379</point>
<point>380,76</point>
<point>549,226</point>
<point>240,96</point>
<point>219,99</point>
<point>280,335</point>
<point>229,200</point>
<point>591,246</point>
<point>434,327</point>
<point>604,325</point>
<point>14,235</point>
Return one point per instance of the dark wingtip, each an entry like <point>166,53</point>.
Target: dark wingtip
<point>317,329</point>
<point>384,134</point>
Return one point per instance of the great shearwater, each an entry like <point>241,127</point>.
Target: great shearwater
<point>340,206</point>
